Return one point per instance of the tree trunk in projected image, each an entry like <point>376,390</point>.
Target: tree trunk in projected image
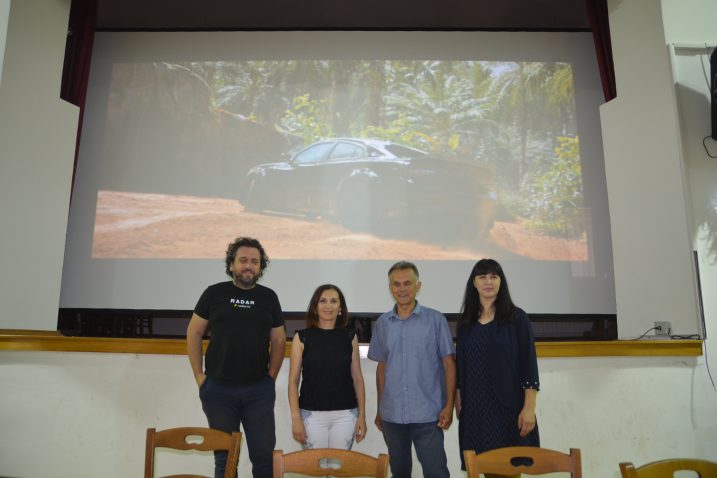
<point>376,80</point>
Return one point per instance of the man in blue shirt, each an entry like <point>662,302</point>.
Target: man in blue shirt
<point>415,377</point>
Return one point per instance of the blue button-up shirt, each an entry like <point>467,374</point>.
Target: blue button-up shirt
<point>413,349</point>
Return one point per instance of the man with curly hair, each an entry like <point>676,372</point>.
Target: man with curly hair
<point>236,384</point>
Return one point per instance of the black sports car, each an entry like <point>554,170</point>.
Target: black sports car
<point>368,185</point>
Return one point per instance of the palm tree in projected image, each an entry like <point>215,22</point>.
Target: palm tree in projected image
<point>533,116</point>
<point>263,89</point>
<point>246,88</point>
<point>534,100</point>
<point>348,96</point>
<point>442,102</point>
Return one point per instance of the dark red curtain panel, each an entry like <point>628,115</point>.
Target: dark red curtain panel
<point>78,52</point>
<point>600,25</point>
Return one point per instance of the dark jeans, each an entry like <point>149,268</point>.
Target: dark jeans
<point>227,406</point>
<point>428,440</point>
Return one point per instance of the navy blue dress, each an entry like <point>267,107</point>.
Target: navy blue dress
<point>488,418</point>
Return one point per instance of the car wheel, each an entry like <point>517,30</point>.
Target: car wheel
<point>355,208</point>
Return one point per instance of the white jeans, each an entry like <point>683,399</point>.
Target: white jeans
<point>333,429</point>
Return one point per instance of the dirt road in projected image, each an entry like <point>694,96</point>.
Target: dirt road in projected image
<point>138,225</point>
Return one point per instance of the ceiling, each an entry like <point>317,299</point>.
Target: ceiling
<point>342,14</point>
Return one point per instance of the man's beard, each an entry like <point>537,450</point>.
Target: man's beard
<point>247,279</point>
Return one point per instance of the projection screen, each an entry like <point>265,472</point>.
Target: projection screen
<point>342,152</point>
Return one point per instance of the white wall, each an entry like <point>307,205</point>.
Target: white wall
<point>37,147</point>
<point>684,26</point>
<point>88,412</point>
<point>644,169</point>
<point>685,23</point>
<point>4,19</point>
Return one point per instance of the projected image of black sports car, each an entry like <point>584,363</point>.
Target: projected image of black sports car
<point>371,186</point>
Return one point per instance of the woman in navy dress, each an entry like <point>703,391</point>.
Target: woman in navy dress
<point>497,366</point>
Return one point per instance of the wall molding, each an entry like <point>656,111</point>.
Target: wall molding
<point>51,341</point>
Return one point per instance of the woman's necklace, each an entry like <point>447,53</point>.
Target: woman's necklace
<point>487,316</point>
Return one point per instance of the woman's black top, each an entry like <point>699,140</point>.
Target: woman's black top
<point>326,382</point>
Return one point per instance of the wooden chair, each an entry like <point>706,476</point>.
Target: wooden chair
<point>512,461</point>
<point>351,463</point>
<point>179,439</point>
<point>667,468</point>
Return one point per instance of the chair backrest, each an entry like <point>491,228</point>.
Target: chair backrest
<point>522,459</point>
<point>667,468</point>
<point>341,463</point>
<point>196,439</point>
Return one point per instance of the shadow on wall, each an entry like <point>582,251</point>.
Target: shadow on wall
<point>695,123</point>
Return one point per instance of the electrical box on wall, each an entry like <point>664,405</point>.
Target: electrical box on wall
<point>663,328</point>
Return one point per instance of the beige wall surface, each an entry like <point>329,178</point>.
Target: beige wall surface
<point>37,148</point>
<point>88,412</point>
<point>646,188</point>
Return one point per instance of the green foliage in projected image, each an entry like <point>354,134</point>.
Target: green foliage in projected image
<point>304,119</point>
<point>556,194</point>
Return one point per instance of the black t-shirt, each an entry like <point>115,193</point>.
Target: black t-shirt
<point>240,322</point>
<point>326,382</point>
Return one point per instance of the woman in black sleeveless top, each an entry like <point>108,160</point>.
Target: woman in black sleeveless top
<point>330,410</point>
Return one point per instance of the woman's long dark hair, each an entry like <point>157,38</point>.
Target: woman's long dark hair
<point>312,315</point>
<point>472,308</point>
